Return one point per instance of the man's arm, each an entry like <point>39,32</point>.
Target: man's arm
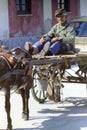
<point>69,38</point>
<point>47,37</point>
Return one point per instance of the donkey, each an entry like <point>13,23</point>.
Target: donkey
<point>15,75</point>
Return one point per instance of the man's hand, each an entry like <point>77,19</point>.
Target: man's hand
<point>42,40</point>
<point>54,39</point>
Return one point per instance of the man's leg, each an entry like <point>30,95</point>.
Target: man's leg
<point>45,49</point>
<point>57,48</point>
<point>64,48</point>
<point>33,48</point>
<point>38,46</point>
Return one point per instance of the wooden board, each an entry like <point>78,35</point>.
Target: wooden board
<point>81,43</point>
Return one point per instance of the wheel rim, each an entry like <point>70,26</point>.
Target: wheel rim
<point>39,87</point>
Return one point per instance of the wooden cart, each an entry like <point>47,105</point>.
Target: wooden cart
<point>53,71</point>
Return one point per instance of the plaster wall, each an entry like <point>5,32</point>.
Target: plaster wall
<point>4,21</point>
<point>26,24</point>
<point>83,7</point>
<point>47,15</point>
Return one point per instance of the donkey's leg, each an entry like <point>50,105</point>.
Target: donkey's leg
<point>25,97</point>
<point>26,104</point>
<point>7,107</point>
<point>23,101</point>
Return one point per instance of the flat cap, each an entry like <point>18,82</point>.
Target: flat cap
<point>60,12</point>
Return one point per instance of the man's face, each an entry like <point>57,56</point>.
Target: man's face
<point>61,19</point>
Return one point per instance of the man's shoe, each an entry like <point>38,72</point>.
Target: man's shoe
<point>29,47</point>
<point>45,49</point>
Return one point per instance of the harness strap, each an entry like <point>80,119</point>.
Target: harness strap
<point>10,73</point>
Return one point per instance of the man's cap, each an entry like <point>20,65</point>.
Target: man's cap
<point>60,12</point>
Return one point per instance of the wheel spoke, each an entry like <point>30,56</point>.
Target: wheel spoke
<point>36,92</point>
<point>40,94</point>
<point>44,95</point>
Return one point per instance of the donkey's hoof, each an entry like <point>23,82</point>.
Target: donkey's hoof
<point>9,128</point>
<point>25,116</point>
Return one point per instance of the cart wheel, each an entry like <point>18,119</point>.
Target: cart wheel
<point>39,90</point>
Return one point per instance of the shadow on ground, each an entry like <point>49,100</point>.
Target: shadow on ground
<point>71,114</point>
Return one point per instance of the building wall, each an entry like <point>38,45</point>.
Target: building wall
<point>54,7</point>
<point>4,21</point>
<point>41,20</point>
<point>83,7</point>
<point>47,15</point>
<point>49,7</point>
<point>28,24</point>
<point>74,8</point>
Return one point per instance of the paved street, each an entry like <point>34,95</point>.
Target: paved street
<point>69,114</point>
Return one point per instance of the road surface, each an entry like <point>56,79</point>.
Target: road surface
<point>69,114</point>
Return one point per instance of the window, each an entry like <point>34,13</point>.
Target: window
<point>23,6</point>
<point>65,4</point>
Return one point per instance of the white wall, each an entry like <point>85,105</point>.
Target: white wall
<point>83,7</point>
<point>4,24</point>
<point>47,15</point>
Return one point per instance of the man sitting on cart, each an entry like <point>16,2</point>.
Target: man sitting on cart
<point>58,40</point>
